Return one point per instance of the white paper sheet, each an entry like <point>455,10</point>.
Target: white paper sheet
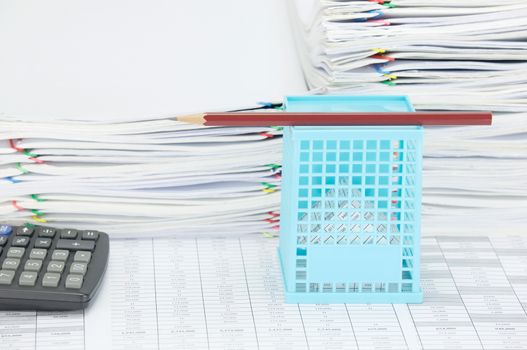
<point>168,293</point>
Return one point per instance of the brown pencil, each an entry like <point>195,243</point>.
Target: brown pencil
<point>339,119</point>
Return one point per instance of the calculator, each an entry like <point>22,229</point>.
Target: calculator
<point>46,268</point>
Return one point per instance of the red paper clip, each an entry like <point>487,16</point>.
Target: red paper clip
<point>17,207</point>
<point>14,146</point>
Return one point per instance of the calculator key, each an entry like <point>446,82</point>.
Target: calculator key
<point>6,230</point>
<point>10,264</point>
<point>25,231</point>
<point>81,256</point>
<point>51,279</point>
<point>33,265</point>
<point>15,252</point>
<point>56,266</point>
<point>46,232</point>
<point>6,277</point>
<point>90,235</point>
<point>27,278</point>
<point>38,254</point>
<point>74,281</point>
<point>78,268</point>
<point>68,234</point>
<point>20,241</point>
<point>3,241</point>
<point>75,245</point>
<point>60,255</point>
<point>43,242</point>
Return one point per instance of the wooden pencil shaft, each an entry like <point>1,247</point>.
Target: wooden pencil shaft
<point>341,119</point>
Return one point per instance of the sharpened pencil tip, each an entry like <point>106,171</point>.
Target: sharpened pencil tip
<point>198,119</point>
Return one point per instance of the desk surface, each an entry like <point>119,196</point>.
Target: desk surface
<point>169,293</point>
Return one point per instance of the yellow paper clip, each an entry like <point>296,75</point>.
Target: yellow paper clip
<point>38,219</point>
<point>380,51</point>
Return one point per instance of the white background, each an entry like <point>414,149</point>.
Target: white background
<point>125,59</point>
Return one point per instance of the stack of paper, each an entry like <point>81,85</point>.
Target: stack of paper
<point>166,177</point>
<point>160,176</point>
<point>445,55</point>
<point>449,50</point>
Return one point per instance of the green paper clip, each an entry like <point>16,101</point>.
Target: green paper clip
<point>273,166</point>
<point>268,185</point>
<point>28,153</point>
<point>37,198</point>
<point>19,167</point>
<point>37,212</point>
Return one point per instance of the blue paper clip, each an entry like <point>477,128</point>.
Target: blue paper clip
<point>378,68</point>
<point>12,179</point>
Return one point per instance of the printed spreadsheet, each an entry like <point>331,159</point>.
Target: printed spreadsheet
<point>226,293</point>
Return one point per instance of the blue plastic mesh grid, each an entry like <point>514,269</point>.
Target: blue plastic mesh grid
<point>350,221</point>
<point>359,192</point>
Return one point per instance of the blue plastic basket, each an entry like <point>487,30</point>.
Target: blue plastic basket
<point>351,206</point>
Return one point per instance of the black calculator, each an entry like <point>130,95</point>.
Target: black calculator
<point>45,268</point>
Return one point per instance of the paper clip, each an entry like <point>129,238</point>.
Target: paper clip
<point>36,212</point>
<point>268,188</point>
<point>273,105</point>
<point>386,3</point>
<point>383,57</point>
<point>14,146</point>
<point>38,219</point>
<point>26,152</point>
<point>33,157</point>
<point>273,166</point>
<point>37,198</point>
<point>265,104</point>
<point>17,206</point>
<point>390,76</point>
<point>19,167</point>
<point>12,179</point>
<point>378,68</point>
<point>378,15</point>
<point>382,21</point>
<point>267,184</point>
<point>388,82</point>
<point>267,135</point>
<point>38,215</point>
